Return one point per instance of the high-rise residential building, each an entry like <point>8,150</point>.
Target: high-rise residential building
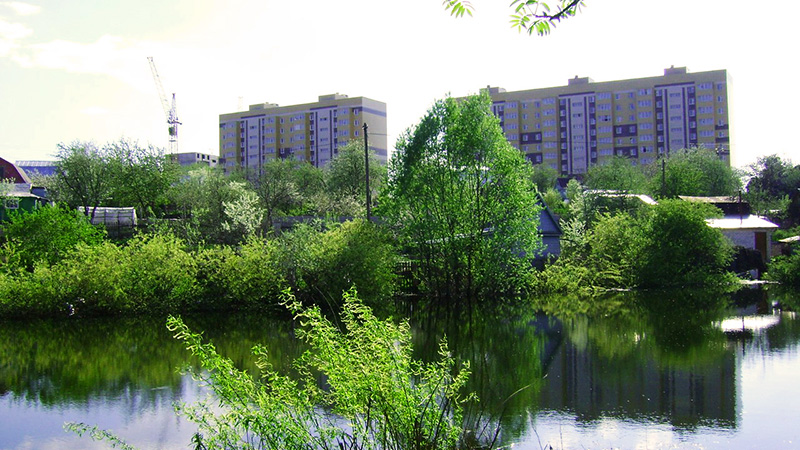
<point>310,132</point>
<point>570,128</point>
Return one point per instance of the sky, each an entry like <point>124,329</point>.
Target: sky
<point>77,70</point>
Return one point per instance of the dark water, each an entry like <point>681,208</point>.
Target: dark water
<point>649,372</point>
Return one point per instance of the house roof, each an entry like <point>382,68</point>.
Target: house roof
<point>20,190</point>
<point>747,222</point>
<point>717,199</point>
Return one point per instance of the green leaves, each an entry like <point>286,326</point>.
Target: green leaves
<point>375,394</point>
<point>529,15</point>
<point>463,200</point>
<point>458,8</point>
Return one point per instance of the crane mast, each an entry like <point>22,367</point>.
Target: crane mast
<point>170,109</point>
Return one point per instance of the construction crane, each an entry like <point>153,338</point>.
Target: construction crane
<point>169,109</point>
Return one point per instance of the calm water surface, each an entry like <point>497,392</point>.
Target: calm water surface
<point>649,373</point>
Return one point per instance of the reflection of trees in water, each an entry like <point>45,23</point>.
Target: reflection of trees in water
<point>55,362</point>
<point>661,359</point>
<point>507,351</point>
<point>648,356</point>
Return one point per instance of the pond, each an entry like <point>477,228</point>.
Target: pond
<point>662,370</point>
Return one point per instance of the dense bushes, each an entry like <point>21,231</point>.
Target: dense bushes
<point>669,244</point>
<point>785,269</point>
<point>375,394</point>
<point>158,272</point>
<point>46,234</point>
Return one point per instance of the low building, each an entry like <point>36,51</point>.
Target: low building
<point>737,224</point>
<point>189,159</point>
<point>17,192</point>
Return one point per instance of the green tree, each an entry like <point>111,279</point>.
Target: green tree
<point>772,182</point>
<point>200,198</point>
<point>463,199</point>
<point>277,188</point>
<point>785,269</point>
<point>617,174</point>
<point>139,176</point>
<point>529,15</point>
<point>83,178</point>
<point>544,177</point>
<point>46,234</point>
<point>680,248</point>
<point>345,172</point>
<point>694,171</point>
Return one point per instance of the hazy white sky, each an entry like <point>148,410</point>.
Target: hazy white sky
<point>77,70</point>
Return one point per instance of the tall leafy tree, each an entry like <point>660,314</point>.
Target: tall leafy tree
<point>140,176</point>
<point>277,187</point>
<point>772,181</point>
<point>463,199</point>
<point>544,177</point>
<point>693,171</point>
<point>617,174</point>
<point>346,175</point>
<point>82,176</point>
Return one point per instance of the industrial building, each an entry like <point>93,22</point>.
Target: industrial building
<point>572,127</point>
<point>310,132</point>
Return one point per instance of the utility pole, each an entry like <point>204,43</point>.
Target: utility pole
<point>366,170</point>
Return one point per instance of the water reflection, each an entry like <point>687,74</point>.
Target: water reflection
<point>677,365</point>
<point>660,357</point>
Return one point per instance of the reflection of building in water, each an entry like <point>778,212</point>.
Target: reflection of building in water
<point>593,387</point>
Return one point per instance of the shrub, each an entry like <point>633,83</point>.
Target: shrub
<point>680,248</point>
<point>46,234</point>
<point>322,263</point>
<point>375,394</point>
<point>785,269</point>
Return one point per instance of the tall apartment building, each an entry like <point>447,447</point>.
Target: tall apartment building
<point>310,132</point>
<point>572,127</point>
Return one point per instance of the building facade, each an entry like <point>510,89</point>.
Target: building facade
<point>310,132</point>
<point>570,128</point>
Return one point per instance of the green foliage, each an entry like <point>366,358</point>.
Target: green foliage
<point>463,200</point>
<point>120,173</point>
<point>376,395</point>
<point>251,277</point>
<point>345,173</point>
<point>277,189</point>
<point>693,171</point>
<point>785,269</point>
<point>156,272</point>
<point>617,174</point>
<point>681,248</point>
<point>552,198</point>
<point>783,233</point>
<point>669,244</point>
<point>140,177</point>
<point>207,202</point>
<point>83,179</point>
<point>150,273</point>
<point>529,15</point>
<point>772,183</point>
<point>98,434</point>
<point>46,234</point>
<point>544,177</point>
<point>322,262</point>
